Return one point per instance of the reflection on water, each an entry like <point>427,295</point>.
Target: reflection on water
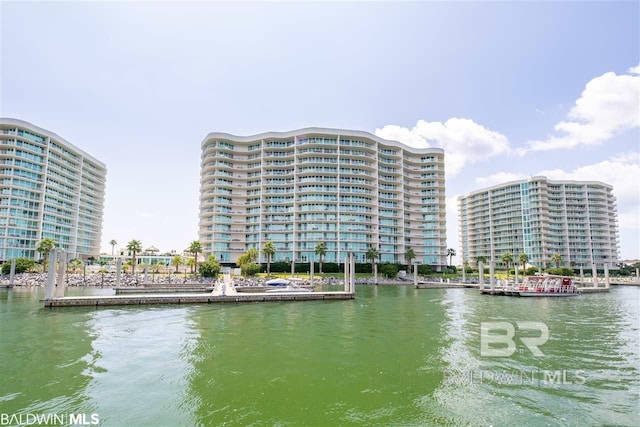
<point>386,358</point>
<point>45,356</point>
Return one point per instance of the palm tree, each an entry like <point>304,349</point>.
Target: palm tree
<point>248,257</point>
<point>44,247</point>
<point>176,261</point>
<point>372,254</point>
<point>507,258</point>
<point>410,255</point>
<point>269,250</point>
<point>321,251</point>
<point>451,253</point>
<point>134,247</point>
<point>195,248</point>
<point>191,262</point>
<point>523,259</point>
<point>557,258</point>
<point>252,254</point>
<point>113,244</point>
<point>75,264</point>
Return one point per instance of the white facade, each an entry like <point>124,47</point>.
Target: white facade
<point>49,188</point>
<point>348,189</point>
<point>540,217</point>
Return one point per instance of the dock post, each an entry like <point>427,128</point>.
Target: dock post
<point>62,268</point>
<point>12,272</point>
<point>51,274</point>
<point>311,270</point>
<point>581,276</point>
<point>415,275</point>
<point>481,276</point>
<point>464,271</point>
<point>146,273</point>
<point>516,270</point>
<point>346,273</point>
<point>375,273</point>
<point>352,272</point>
<point>594,274</point>
<point>492,275</point>
<point>607,282</point>
<point>118,271</point>
<point>638,276</point>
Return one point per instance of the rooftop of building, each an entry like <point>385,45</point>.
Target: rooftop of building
<point>24,124</point>
<point>318,131</point>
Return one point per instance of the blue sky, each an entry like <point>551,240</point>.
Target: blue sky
<point>508,89</point>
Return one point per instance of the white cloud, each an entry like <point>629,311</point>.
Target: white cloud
<point>634,70</point>
<point>464,141</point>
<point>608,106</point>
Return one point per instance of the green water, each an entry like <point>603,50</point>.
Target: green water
<point>394,356</point>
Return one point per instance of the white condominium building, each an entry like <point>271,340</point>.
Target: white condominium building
<point>348,189</point>
<point>541,217</point>
<point>49,189</point>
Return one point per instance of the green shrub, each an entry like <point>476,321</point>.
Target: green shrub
<point>280,267</point>
<point>363,267</point>
<point>210,268</point>
<point>389,270</point>
<point>250,269</point>
<point>531,271</point>
<point>425,270</point>
<point>22,265</point>
<point>330,267</point>
<point>562,271</point>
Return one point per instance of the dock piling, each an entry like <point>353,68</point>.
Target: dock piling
<point>492,275</point>
<point>12,272</point>
<point>51,272</point>
<point>352,272</point>
<point>118,271</point>
<point>62,269</point>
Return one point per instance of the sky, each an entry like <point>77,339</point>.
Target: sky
<point>508,89</point>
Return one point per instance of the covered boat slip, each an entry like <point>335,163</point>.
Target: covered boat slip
<point>543,285</point>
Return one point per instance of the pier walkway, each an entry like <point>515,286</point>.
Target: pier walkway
<point>191,298</point>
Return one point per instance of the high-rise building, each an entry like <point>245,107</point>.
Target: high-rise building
<point>49,188</point>
<point>347,189</point>
<point>540,218</point>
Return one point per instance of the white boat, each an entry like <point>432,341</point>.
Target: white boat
<point>287,289</point>
<point>544,286</point>
<point>283,285</point>
<point>277,282</point>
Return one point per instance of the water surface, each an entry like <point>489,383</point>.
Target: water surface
<point>393,356</point>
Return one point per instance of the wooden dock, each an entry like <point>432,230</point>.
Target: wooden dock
<point>443,285</point>
<point>190,298</point>
<point>128,290</point>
